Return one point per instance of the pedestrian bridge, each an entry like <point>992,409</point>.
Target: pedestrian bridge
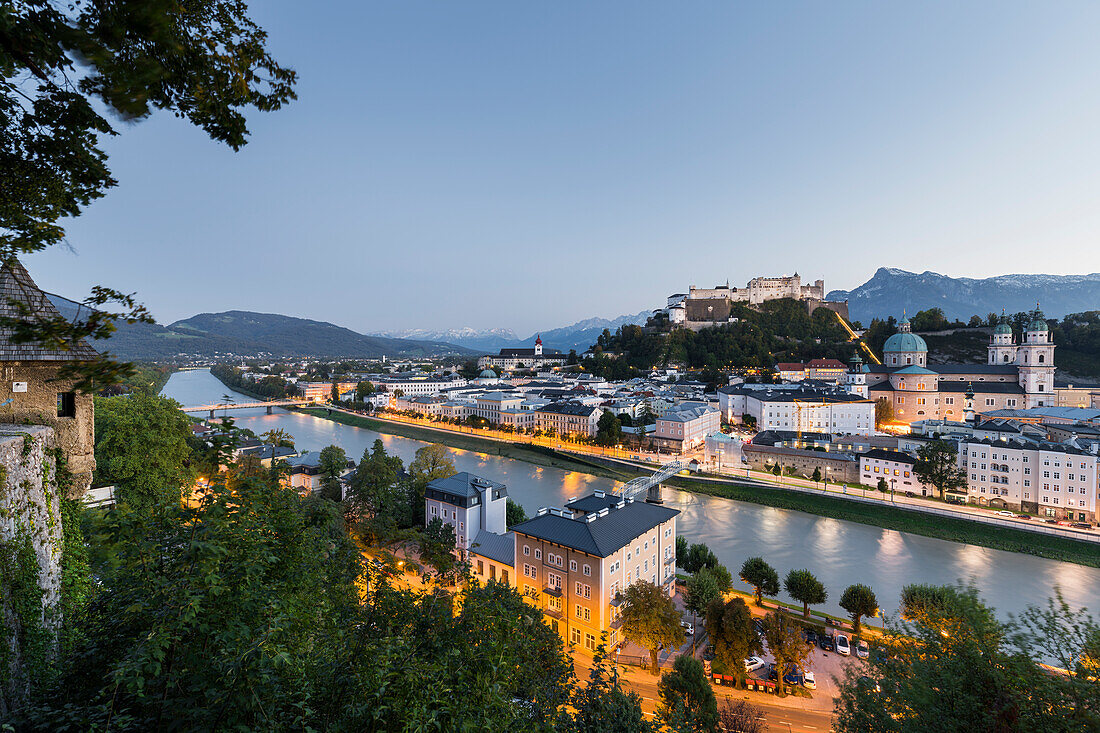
<point>246,406</point>
<point>651,484</point>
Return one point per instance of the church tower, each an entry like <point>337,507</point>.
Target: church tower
<point>1035,359</point>
<point>856,379</point>
<point>538,345</point>
<point>1002,347</point>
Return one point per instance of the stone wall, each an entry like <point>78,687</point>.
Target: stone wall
<point>842,467</point>
<point>75,435</point>
<point>30,550</point>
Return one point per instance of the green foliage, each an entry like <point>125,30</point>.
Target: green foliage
<point>650,619</point>
<point>601,706</point>
<point>805,588</point>
<point>609,429</point>
<point>786,643</point>
<point>332,464</point>
<point>23,621</point>
<point>955,667</point>
<point>687,702</point>
<point>699,556</point>
<point>437,548</point>
<point>702,589</point>
<point>514,513</point>
<point>859,601</point>
<point>142,446</point>
<point>430,462</point>
<point>778,330</point>
<point>76,579</point>
<point>681,550</point>
<point>729,627</point>
<point>937,466</point>
<point>761,576</point>
<point>272,388</point>
<point>882,485</point>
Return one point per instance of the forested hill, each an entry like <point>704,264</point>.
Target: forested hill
<point>781,330</point>
<point>244,333</point>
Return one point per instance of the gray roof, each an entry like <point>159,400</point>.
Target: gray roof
<point>499,547</point>
<point>17,285</point>
<point>602,536</point>
<point>465,484</point>
<point>593,503</point>
<point>890,455</point>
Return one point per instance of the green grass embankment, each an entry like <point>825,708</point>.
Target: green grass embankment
<point>887,517</point>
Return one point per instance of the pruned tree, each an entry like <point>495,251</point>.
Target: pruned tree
<point>805,588</point>
<point>859,601</point>
<point>786,643</point>
<point>687,703</point>
<point>761,576</point>
<point>729,627</point>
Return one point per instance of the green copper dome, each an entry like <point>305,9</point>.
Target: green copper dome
<point>904,341</point>
<point>1038,324</point>
<point>1003,327</point>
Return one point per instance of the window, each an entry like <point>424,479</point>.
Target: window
<point>590,642</point>
<point>575,636</point>
<point>526,550</point>
<point>587,570</point>
<point>435,510</point>
<point>538,553</point>
<point>587,591</point>
<point>66,404</point>
<point>573,565</point>
<point>480,568</point>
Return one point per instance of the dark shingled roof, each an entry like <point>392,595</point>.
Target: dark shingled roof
<point>499,547</point>
<point>16,284</point>
<point>890,455</point>
<point>462,484</point>
<point>604,535</point>
<point>592,503</point>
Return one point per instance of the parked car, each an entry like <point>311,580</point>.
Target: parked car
<point>910,494</point>
<point>811,636</point>
<point>793,677</point>
<point>1005,513</point>
<point>1081,525</point>
<point>688,628</point>
<point>827,643</point>
<point>1064,523</point>
<point>862,649</point>
<point>758,624</point>
<point>808,681</point>
<point>754,663</point>
<point>842,647</point>
<point>1051,521</point>
<point>1025,517</point>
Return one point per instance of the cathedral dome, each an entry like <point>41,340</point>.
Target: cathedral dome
<point>1038,324</point>
<point>904,341</point>
<point>1002,327</point>
<point>487,374</point>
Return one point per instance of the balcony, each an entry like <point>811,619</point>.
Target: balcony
<point>552,613</point>
<point>552,590</point>
<point>669,560</point>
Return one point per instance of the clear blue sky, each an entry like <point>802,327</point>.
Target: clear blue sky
<point>526,165</point>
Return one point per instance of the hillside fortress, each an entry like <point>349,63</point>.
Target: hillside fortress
<point>702,307</point>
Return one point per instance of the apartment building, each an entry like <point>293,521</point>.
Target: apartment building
<point>573,562</point>
<point>320,391</point>
<point>688,427</point>
<point>471,504</point>
<point>1053,480</point>
<point>806,409</point>
<point>893,466</point>
<point>567,418</point>
<point>416,383</point>
<point>491,404</point>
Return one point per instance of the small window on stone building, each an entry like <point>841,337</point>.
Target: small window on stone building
<point>66,404</point>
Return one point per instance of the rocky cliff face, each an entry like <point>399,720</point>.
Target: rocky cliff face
<point>30,556</point>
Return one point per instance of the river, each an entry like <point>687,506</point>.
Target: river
<point>837,552</point>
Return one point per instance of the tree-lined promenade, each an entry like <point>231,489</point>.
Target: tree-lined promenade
<point>864,505</point>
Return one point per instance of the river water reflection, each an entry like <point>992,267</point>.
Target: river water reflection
<point>838,552</point>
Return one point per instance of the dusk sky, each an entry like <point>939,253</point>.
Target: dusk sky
<point>527,165</point>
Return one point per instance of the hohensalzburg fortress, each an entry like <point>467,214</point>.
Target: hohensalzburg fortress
<point>701,307</point>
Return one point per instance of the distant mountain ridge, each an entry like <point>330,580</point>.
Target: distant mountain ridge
<point>244,333</point>
<point>579,335</point>
<point>891,291</point>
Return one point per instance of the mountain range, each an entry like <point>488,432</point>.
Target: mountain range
<point>243,333</point>
<point>580,335</point>
<point>890,291</point>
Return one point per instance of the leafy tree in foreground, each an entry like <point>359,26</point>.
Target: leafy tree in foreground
<point>278,438</point>
<point>332,463</point>
<point>742,717</point>
<point>957,668</point>
<point>729,627</point>
<point>681,551</point>
<point>699,556</point>
<point>602,706</point>
<point>859,601</point>
<point>937,466</point>
<point>609,431</point>
<point>68,68</point>
<point>430,462</point>
<point>687,702</point>
<point>786,643</point>
<point>142,447</point>
<point>437,548</point>
<point>805,588</point>
<point>650,619</point>
<point>702,589</point>
<point>761,576</point>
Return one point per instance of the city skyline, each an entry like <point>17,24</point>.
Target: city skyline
<point>488,155</point>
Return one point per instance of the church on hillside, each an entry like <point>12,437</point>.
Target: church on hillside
<point>1015,375</point>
